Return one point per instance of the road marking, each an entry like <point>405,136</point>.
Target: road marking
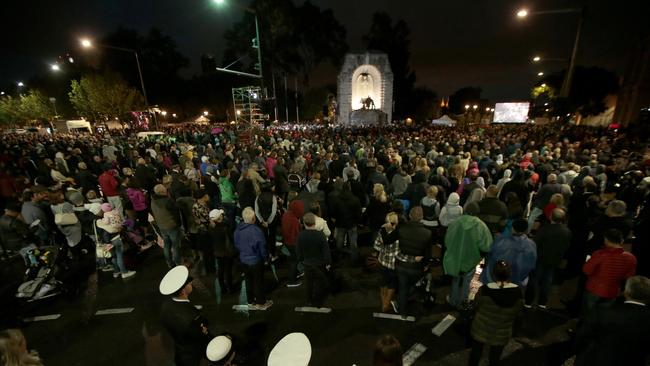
<point>311,309</point>
<point>245,308</point>
<point>394,317</point>
<point>42,317</point>
<point>443,325</point>
<point>413,354</point>
<point>114,311</point>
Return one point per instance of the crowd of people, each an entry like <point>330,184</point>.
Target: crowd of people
<point>526,206</point>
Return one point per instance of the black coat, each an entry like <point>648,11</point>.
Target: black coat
<point>184,323</point>
<point>615,335</point>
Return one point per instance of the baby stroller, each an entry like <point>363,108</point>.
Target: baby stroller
<point>39,281</point>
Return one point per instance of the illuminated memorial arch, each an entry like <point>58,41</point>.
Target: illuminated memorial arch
<point>365,89</point>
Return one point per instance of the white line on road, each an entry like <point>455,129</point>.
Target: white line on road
<point>114,311</point>
<point>42,317</point>
<point>311,309</point>
<point>394,316</point>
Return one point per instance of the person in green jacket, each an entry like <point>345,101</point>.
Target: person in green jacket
<point>228,197</point>
<point>466,238</point>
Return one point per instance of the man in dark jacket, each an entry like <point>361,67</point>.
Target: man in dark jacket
<point>187,327</point>
<point>14,232</point>
<point>167,218</point>
<point>250,241</point>
<point>314,252</point>
<point>618,335</point>
<point>414,252</point>
<point>552,241</point>
<point>85,179</point>
<point>492,211</point>
<point>346,215</point>
<point>144,175</point>
<point>281,179</point>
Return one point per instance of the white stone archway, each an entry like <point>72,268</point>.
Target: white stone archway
<point>366,82</point>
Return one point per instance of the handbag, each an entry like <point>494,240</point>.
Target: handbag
<point>101,250</point>
<point>65,218</point>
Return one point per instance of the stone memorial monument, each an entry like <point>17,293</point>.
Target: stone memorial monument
<point>365,89</point>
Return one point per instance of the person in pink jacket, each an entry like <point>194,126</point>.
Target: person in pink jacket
<point>139,201</point>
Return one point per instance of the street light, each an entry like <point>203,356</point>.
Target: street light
<point>174,115</point>
<point>543,85</point>
<point>205,113</point>
<point>466,106</point>
<point>20,84</point>
<point>536,59</point>
<point>256,45</point>
<point>55,67</point>
<point>566,84</point>
<point>164,113</point>
<point>2,93</point>
<point>487,109</point>
<point>541,73</point>
<point>238,112</point>
<point>87,43</point>
<point>474,106</point>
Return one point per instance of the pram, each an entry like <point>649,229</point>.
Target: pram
<point>39,282</point>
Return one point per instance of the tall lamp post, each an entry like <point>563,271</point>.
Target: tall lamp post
<point>256,44</point>
<point>566,84</point>
<point>86,43</point>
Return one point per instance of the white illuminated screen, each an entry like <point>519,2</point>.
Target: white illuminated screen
<point>511,112</point>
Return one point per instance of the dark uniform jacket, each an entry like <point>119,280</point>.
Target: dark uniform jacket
<point>184,323</point>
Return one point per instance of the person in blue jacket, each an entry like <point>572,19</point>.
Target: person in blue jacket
<point>517,250</point>
<point>253,254</point>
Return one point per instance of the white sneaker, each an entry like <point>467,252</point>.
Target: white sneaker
<point>528,306</point>
<point>116,274</point>
<point>542,306</point>
<point>128,274</point>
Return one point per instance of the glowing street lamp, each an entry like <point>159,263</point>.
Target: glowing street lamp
<point>86,43</point>
<point>238,112</point>
<point>537,59</point>
<point>474,106</point>
<point>20,84</point>
<point>541,73</point>
<point>174,115</point>
<point>522,13</point>
<point>2,93</point>
<point>466,106</point>
<point>219,2</point>
<point>205,113</point>
<point>55,67</point>
<point>487,109</point>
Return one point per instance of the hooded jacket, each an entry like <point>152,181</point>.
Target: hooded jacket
<point>466,238</point>
<point>291,222</point>
<point>250,242</point>
<point>518,251</point>
<point>108,183</point>
<point>451,211</point>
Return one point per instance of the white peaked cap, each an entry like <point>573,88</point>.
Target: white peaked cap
<point>218,348</point>
<point>292,350</point>
<point>174,280</point>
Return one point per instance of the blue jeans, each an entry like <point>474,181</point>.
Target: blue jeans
<point>537,212</point>
<point>118,256</point>
<point>460,287</point>
<point>542,278</point>
<point>351,234</point>
<point>172,249</point>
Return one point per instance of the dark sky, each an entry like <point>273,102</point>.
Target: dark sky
<point>455,43</point>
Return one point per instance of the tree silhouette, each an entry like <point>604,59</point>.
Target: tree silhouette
<point>394,40</point>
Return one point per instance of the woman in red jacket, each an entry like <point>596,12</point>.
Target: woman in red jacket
<point>290,230</point>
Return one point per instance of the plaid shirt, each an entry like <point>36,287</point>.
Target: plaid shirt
<point>387,252</point>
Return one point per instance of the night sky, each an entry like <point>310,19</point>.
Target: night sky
<point>455,43</point>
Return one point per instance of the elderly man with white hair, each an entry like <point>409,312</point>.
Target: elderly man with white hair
<point>253,254</point>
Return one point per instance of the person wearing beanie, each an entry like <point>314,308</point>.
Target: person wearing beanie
<point>451,211</point>
<point>517,250</point>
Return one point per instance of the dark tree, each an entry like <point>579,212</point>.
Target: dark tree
<point>160,60</point>
<point>394,40</point>
<point>463,96</point>
<point>295,39</point>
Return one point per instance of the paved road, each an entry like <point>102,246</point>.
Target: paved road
<point>131,335</point>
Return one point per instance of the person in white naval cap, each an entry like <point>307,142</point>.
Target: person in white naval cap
<point>292,350</point>
<point>220,352</point>
<point>183,321</point>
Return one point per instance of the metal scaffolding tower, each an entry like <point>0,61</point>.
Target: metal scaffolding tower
<point>247,103</point>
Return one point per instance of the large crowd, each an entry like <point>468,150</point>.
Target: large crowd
<point>526,206</point>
